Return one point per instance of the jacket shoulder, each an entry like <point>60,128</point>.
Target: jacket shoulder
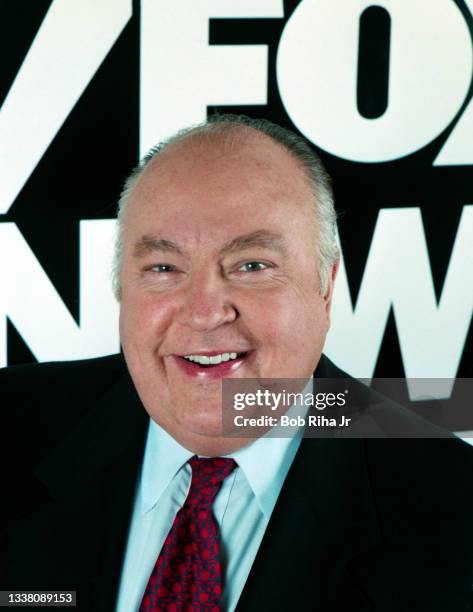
<point>42,402</point>
<point>59,372</point>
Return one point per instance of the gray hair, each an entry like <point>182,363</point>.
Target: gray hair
<point>319,180</point>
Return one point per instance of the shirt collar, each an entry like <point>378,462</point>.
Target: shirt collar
<point>265,464</point>
<point>164,457</point>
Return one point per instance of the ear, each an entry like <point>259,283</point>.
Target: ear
<point>329,293</point>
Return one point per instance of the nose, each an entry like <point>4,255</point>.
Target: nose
<point>206,305</point>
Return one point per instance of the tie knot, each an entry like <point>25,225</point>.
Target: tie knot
<point>208,475</point>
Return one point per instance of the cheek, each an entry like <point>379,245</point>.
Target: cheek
<point>144,319</point>
<point>293,324</point>
<point>282,318</point>
<point>297,304</point>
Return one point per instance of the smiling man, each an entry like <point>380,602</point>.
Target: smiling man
<point>123,488</point>
<point>219,275</point>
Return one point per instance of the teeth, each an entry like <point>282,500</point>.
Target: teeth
<point>214,360</point>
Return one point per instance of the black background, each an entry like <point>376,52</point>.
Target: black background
<point>81,173</point>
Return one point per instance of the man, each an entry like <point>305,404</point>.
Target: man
<point>225,265</point>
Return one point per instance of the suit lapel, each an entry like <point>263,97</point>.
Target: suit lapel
<point>324,517</point>
<point>95,469</point>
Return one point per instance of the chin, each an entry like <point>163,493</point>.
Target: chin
<point>203,423</point>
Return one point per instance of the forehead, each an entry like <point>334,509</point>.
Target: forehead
<point>213,185</point>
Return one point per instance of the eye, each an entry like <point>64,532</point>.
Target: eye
<point>162,268</point>
<point>253,266</point>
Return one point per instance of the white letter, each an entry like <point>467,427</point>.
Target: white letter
<point>181,74</point>
<point>429,76</point>
<point>98,308</point>
<point>238,401</point>
<point>33,305</point>
<point>276,399</point>
<point>72,42</point>
<point>398,274</point>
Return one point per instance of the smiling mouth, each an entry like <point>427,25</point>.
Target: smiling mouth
<point>207,361</point>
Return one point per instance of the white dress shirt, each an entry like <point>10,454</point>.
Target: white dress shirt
<point>242,509</point>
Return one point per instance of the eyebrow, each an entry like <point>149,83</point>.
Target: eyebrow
<point>261,238</point>
<point>150,244</point>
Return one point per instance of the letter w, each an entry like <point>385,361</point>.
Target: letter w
<point>398,275</point>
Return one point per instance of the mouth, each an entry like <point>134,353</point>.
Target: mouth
<point>212,364</point>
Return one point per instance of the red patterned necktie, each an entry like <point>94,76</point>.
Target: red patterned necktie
<point>187,574</point>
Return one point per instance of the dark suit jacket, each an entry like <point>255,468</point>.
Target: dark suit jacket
<point>360,525</point>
